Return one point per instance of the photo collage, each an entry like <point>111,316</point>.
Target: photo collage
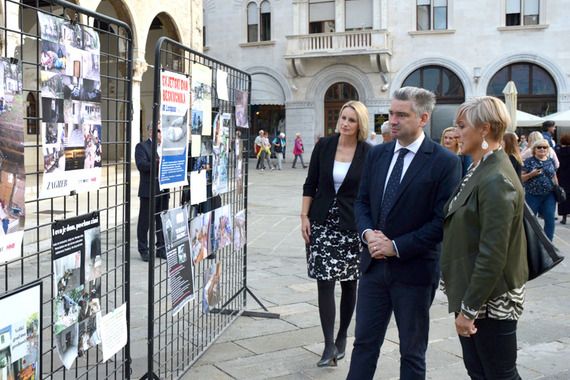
<point>70,83</point>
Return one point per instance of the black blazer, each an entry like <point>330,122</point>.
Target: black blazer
<point>320,185</point>
<point>143,155</point>
<point>415,222</point>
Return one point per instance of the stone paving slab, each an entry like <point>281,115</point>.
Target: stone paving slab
<point>288,349</point>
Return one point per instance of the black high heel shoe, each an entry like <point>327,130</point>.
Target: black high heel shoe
<point>340,345</point>
<point>329,357</point>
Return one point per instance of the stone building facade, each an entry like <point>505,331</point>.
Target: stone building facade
<point>308,56</point>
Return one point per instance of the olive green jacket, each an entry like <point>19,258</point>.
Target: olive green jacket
<point>484,245</point>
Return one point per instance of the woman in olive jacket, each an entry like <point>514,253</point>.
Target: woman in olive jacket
<point>483,263</point>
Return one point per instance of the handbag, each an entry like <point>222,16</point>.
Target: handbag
<point>559,193</point>
<point>542,255</point>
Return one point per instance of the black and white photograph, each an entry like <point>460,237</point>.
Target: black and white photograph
<point>67,344</point>
<point>88,335</point>
<point>241,109</point>
<point>240,232</point>
<point>52,85</point>
<point>50,27</point>
<point>54,156</point>
<point>72,110</point>
<point>197,121</point>
<point>74,136</point>
<point>202,98</point>
<point>91,113</point>
<point>174,134</point>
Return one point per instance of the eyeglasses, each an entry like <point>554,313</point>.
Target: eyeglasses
<point>541,147</point>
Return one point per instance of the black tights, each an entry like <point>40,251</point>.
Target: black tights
<point>327,308</point>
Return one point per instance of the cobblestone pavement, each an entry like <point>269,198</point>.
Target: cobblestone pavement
<point>289,347</point>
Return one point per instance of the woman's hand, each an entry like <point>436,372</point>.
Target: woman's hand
<point>464,326</point>
<point>306,228</point>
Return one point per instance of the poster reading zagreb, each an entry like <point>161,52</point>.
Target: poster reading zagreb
<point>173,139</point>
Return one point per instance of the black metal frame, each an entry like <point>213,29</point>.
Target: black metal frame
<point>112,199</point>
<point>176,342</point>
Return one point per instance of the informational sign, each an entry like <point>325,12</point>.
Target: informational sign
<point>113,327</point>
<point>20,333</point>
<point>12,170</point>
<point>77,267</point>
<point>178,256</point>
<point>70,83</point>
<point>174,110</point>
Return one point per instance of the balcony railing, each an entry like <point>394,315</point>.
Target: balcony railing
<point>331,44</point>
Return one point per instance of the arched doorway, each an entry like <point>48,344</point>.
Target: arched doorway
<point>537,92</point>
<point>449,92</point>
<point>337,94</point>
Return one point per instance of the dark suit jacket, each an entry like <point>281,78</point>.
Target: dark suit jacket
<point>143,155</point>
<point>320,186</point>
<point>484,246</point>
<point>415,222</point>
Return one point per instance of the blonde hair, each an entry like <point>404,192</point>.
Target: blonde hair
<point>534,137</point>
<point>361,117</point>
<point>446,130</point>
<point>486,110</point>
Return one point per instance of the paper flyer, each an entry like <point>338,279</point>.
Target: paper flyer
<point>174,109</point>
<point>13,173</point>
<point>200,241</point>
<point>238,149</point>
<point>20,333</point>
<point>198,187</point>
<point>201,99</point>
<point>70,83</point>
<point>77,267</point>
<point>222,85</point>
<point>240,236</point>
<point>221,155</point>
<point>113,328</point>
<point>223,228</point>
<point>178,256</point>
<point>211,291</point>
<point>242,115</point>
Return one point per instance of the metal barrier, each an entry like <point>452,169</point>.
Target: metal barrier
<point>22,43</point>
<point>177,338</point>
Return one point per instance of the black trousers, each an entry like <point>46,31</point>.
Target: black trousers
<point>143,225</point>
<point>491,354</point>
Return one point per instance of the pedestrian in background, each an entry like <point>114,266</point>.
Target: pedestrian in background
<point>257,145</point>
<point>327,222</point>
<point>449,140</point>
<point>563,153</point>
<point>298,150</point>
<point>265,152</point>
<point>511,147</point>
<point>548,131</point>
<point>539,178</point>
<point>386,131</point>
<point>484,267</point>
<point>523,143</point>
<point>278,148</point>
<point>534,137</point>
<point>372,139</point>
<point>143,159</point>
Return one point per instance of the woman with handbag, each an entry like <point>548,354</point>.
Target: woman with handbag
<point>539,178</point>
<point>483,263</point>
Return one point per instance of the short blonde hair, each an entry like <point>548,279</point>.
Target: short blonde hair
<point>361,117</point>
<point>486,110</point>
<point>534,137</point>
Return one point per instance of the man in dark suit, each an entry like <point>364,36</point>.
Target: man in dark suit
<point>143,157</point>
<point>399,213</point>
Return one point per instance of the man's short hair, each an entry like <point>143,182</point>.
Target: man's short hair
<point>422,99</point>
<point>547,124</point>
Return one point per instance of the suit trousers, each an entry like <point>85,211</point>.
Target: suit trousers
<point>491,354</point>
<point>378,296</point>
<point>161,204</point>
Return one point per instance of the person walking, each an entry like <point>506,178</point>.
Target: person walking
<point>399,214</point>
<point>298,150</point>
<point>143,157</point>
<point>484,267</point>
<point>511,147</point>
<point>327,222</point>
<point>257,145</point>
<point>279,147</point>
<point>539,178</point>
<point>265,152</point>
<point>563,153</point>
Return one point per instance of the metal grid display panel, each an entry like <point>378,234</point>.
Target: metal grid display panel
<point>177,341</point>
<point>20,38</point>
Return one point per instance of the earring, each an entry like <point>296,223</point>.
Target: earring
<point>484,144</point>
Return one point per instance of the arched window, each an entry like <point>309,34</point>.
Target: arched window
<point>537,93</point>
<point>252,22</point>
<point>265,21</point>
<point>441,81</point>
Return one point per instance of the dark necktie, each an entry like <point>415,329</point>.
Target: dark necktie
<point>392,187</point>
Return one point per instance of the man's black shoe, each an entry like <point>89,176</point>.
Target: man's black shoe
<point>144,257</point>
<point>161,254</point>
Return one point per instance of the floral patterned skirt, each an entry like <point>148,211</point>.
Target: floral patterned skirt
<point>333,254</point>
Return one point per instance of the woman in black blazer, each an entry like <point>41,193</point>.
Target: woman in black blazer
<point>328,225</point>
